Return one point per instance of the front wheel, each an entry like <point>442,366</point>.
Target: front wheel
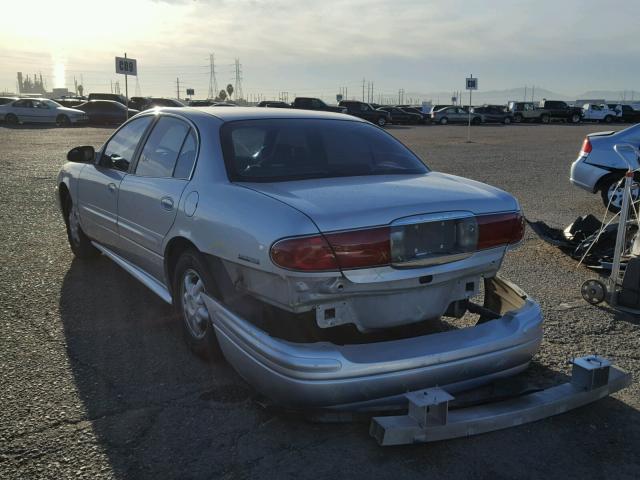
<point>11,119</point>
<point>382,121</point>
<point>444,121</point>
<point>575,118</point>
<point>63,121</point>
<point>507,120</point>
<point>192,280</point>
<point>475,121</point>
<point>545,119</point>
<point>78,241</point>
<point>608,119</point>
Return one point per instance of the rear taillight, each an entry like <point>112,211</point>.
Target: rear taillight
<point>333,251</point>
<point>586,147</point>
<point>499,229</point>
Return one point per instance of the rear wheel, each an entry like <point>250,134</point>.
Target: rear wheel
<point>507,120</point>
<point>517,118</point>
<point>11,119</point>
<point>475,121</point>
<point>191,281</point>
<point>382,121</point>
<point>63,121</point>
<point>575,118</point>
<point>611,190</point>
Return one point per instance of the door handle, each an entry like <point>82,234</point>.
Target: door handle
<point>112,187</point>
<point>167,203</point>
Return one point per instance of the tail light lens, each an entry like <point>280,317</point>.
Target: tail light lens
<point>586,147</point>
<point>373,247</point>
<point>500,229</point>
<point>333,251</point>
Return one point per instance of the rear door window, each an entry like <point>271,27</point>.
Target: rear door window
<point>161,150</point>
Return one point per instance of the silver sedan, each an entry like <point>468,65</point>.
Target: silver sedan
<point>313,250</point>
<point>40,110</point>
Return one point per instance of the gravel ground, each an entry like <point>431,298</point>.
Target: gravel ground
<point>97,383</point>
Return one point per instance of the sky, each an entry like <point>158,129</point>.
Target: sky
<point>317,48</point>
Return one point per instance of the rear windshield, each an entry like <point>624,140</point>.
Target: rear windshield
<point>273,150</point>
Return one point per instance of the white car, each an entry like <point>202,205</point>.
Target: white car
<point>40,110</point>
<point>598,113</point>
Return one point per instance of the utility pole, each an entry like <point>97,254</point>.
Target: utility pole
<point>213,83</point>
<point>178,88</point>
<point>533,89</point>
<point>525,93</point>
<point>363,89</point>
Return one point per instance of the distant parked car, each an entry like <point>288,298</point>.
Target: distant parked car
<point>200,103</point>
<point>598,113</point>
<point>37,110</point>
<point>426,117</point>
<point>116,97</point>
<point>399,116</point>
<point>273,104</point>
<point>366,111</point>
<point>435,108</point>
<point>106,112</point>
<point>309,103</point>
<point>144,103</point>
<point>599,169</point>
<point>494,114</point>
<point>454,115</point>
<point>629,114</point>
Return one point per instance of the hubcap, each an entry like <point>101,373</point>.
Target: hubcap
<point>614,194</point>
<point>74,225</point>
<point>195,312</point>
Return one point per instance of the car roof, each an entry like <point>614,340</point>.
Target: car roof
<point>256,113</point>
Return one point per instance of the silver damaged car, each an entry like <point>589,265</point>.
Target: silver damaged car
<point>312,249</point>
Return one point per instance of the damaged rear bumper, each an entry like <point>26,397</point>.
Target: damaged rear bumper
<point>373,374</point>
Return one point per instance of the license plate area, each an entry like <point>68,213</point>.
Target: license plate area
<point>433,239</point>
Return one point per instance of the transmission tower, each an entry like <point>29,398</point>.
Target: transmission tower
<point>138,90</point>
<point>213,83</point>
<point>237,91</point>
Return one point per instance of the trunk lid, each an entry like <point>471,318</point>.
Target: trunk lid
<point>356,202</point>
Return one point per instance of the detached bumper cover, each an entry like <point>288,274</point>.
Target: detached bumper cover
<point>351,376</point>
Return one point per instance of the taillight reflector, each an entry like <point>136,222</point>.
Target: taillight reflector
<point>500,229</point>
<point>586,146</point>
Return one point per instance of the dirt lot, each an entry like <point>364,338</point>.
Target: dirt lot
<point>97,383</point>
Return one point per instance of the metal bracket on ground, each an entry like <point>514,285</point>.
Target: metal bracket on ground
<point>429,419</point>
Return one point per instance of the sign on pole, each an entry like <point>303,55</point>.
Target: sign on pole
<point>126,66</point>
<point>339,97</point>
<point>190,91</point>
<point>471,85</point>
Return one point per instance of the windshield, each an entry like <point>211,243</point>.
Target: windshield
<point>273,150</point>
<point>51,103</point>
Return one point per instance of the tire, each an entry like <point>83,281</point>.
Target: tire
<point>11,119</point>
<point>518,119</point>
<point>192,278</point>
<point>63,121</point>
<point>476,121</point>
<point>575,118</point>
<point>382,121</point>
<point>608,119</point>
<point>507,120</point>
<point>545,118</point>
<point>78,241</point>
<point>611,192</point>
<point>443,121</point>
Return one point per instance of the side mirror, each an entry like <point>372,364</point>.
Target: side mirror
<point>85,154</point>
